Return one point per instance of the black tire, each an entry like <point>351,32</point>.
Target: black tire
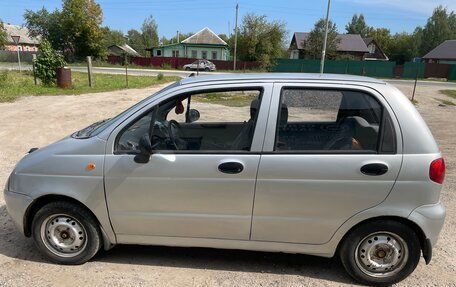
<point>207,69</point>
<point>187,68</point>
<point>373,239</point>
<point>76,226</point>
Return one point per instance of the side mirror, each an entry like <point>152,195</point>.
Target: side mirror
<point>145,149</point>
<point>193,115</point>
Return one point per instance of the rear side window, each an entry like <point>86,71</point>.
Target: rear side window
<point>332,120</point>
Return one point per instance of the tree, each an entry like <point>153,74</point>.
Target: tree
<point>113,37</point>
<point>81,23</point>
<point>260,40</point>
<point>314,44</point>
<point>357,26</point>
<point>383,38</point>
<point>149,31</point>
<point>136,41</point>
<point>401,48</point>
<point>46,25</point>
<point>440,26</point>
<point>47,61</point>
<point>2,35</point>
<point>75,30</point>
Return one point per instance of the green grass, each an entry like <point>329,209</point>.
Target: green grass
<point>449,93</point>
<point>414,102</point>
<point>446,102</point>
<point>14,84</point>
<point>227,99</point>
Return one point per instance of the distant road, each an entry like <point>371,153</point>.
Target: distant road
<point>111,70</point>
<point>184,74</point>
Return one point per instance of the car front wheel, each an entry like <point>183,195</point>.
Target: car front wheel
<point>66,233</point>
<point>380,253</point>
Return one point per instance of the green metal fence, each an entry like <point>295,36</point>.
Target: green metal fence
<point>11,56</point>
<point>452,73</point>
<point>411,69</point>
<point>379,69</point>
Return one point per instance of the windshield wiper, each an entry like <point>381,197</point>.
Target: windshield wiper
<point>86,132</point>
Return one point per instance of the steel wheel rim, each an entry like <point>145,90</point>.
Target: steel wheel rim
<point>63,235</point>
<point>381,254</point>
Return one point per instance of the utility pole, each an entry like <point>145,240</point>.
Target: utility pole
<point>16,41</point>
<point>323,52</point>
<point>235,36</point>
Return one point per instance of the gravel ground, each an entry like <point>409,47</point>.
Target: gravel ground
<point>38,121</point>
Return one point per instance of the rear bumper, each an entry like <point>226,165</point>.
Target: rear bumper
<point>16,205</point>
<point>430,219</point>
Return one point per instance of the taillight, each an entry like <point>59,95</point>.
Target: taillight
<point>437,170</point>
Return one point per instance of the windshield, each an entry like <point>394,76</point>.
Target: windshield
<point>100,126</point>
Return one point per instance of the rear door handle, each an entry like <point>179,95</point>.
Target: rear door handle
<point>374,169</point>
<point>231,167</point>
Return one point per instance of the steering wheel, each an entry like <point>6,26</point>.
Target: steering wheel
<point>174,133</point>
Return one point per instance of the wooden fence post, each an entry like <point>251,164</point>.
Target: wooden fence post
<point>126,69</point>
<point>89,70</point>
<point>33,69</point>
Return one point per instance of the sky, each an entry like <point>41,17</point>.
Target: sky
<point>219,15</point>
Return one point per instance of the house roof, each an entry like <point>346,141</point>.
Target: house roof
<point>347,43</point>
<point>446,51</point>
<point>205,36</point>
<point>127,49</point>
<point>22,32</point>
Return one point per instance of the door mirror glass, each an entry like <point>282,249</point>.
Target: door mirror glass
<point>193,115</point>
<point>145,149</point>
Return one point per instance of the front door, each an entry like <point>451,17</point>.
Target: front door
<point>329,154</point>
<point>200,180</point>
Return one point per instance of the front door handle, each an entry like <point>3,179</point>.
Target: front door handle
<point>231,167</point>
<point>374,169</point>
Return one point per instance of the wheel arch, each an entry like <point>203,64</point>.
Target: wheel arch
<point>38,203</point>
<point>424,243</point>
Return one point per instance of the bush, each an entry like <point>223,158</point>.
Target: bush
<point>46,63</point>
<point>160,77</point>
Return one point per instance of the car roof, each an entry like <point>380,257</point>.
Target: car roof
<point>271,77</point>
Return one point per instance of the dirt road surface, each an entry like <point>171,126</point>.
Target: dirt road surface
<point>38,121</point>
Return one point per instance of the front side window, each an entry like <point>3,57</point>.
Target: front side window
<point>200,122</point>
<point>331,120</point>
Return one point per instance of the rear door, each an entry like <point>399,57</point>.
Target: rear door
<point>329,153</point>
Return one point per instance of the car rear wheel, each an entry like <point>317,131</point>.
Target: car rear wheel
<point>187,68</point>
<point>66,233</point>
<point>207,69</point>
<point>380,253</point>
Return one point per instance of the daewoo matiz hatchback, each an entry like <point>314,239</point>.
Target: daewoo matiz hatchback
<point>295,163</point>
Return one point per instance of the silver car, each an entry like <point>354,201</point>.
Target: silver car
<point>202,65</point>
<point>298,163</point>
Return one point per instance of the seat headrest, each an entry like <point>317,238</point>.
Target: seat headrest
<point>283,117</point>
<point>254,105</point>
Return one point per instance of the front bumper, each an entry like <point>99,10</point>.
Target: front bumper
<point>16,205</point>
<point>430,219</point>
